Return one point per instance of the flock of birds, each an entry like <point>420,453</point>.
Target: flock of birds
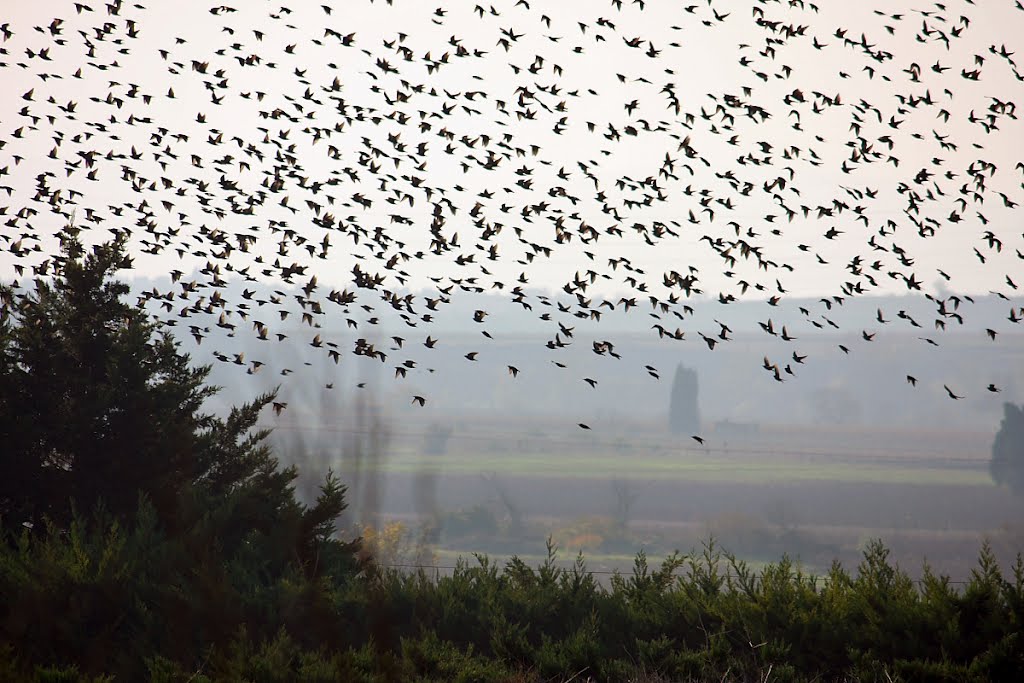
<point>295,176</point>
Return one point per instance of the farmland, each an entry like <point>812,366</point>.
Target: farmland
<point>815,493</point>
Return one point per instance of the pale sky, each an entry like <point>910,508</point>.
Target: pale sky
<point>705,65</point>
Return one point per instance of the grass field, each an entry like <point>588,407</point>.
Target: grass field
<point>538,449</point>
<point>687,466</point>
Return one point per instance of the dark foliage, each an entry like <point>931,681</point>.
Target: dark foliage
<point>152,610</point>
<point>193,520</point>
<point>97,404</point>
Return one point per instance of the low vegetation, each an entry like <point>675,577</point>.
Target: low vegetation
<point>100,601</point>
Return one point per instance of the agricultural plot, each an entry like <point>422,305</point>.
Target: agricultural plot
<point>818,494</point>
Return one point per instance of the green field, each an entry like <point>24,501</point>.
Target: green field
<point>687,467</point>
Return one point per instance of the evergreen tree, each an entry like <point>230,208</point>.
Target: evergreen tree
<point>683,409</point>
<point>94,404</point>
<point>97,404</point>
<point>153,527</point>
<point>1007,465</point>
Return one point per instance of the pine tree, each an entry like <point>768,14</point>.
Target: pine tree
<point>94,402</point>
<point>98,404</point>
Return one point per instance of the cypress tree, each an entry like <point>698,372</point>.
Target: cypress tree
<point>1007,464</point>
<point>684,410</point>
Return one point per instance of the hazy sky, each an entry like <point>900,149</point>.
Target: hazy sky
<point>580,48</point>
<point>726,148</point>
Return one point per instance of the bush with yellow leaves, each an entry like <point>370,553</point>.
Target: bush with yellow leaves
<point>396,545</point>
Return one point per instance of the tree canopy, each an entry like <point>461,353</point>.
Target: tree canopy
<point>99,405</point>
